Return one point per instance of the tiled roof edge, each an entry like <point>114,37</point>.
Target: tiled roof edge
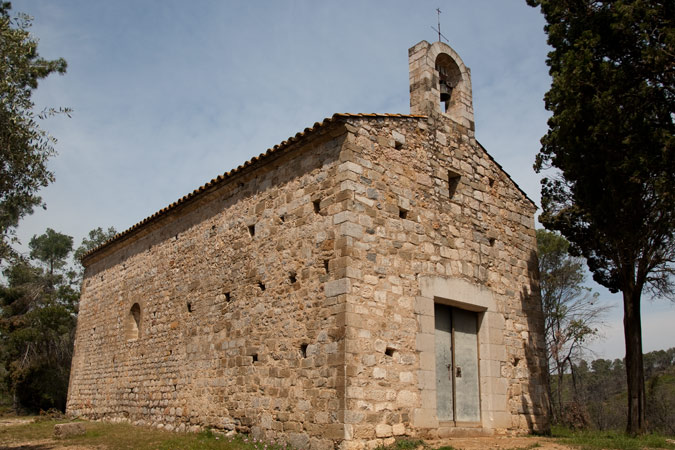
<point>222,178</point>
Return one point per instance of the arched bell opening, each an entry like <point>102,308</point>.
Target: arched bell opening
<point>449,80</point>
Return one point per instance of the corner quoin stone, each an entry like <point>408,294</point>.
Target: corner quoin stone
<point>338,287</point>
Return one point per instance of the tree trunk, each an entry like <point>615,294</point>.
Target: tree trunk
<point>574,381</point>
<point>561,374</point>
<point>632,327</point>
<point>551,400</point>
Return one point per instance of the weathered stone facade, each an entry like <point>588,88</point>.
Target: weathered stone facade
<point>295,296</point>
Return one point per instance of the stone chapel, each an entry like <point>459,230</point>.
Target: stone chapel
<point>371,277</point>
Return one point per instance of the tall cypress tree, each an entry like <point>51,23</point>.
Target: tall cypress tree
<point>610,146</point>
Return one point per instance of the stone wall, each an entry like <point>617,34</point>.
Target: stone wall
<point>410,228</point>
<point>234,329</point>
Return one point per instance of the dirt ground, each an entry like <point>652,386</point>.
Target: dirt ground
<point>45,444</point>
<point>500,443</point>
<point>478,443</point>
<point>36,444</point>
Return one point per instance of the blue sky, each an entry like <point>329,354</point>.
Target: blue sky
<point>169,94</point>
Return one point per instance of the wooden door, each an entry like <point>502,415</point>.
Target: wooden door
<point>457,382</point>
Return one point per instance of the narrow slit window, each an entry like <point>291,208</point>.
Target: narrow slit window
<point>251,230</point>
<point>261,285</point>
<point>317,206</point>
<point>228,297</point>
<point>292,277</point>
<point>303,350</point>
<point>133,322</point>
<point>453,183</point>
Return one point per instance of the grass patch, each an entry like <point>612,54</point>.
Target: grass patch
<point>591,440</point>
<point>408,444</point>
<point>123,436</point>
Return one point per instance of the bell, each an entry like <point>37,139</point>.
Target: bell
<point>446,91</point>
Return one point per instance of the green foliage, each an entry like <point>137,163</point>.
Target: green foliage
<point>408,444</point>
<point>37,324</point>
<point>95,238</point>
<point>589,440</point>
<point>51,249</point>
<point>599,395</point>
<point>611,142</point>
<point>570,310</point>
<point>24,146</point>
<point>611,135</point>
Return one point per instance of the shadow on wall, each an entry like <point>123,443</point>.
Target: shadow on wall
<point>534,397</point>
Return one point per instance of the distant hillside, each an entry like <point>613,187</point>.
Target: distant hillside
<point>595,393</point>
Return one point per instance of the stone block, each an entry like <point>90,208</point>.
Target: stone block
<point>351,229</point>
<point>426,323</point>
<point>424,418</point>
<point>425,342</point>
<point>383,430</point>
<point>351,166</point>
<point>498,386</point>
<point>299,441</point>
<point>344,216</point>
<point>427,361</point>
<point>399,139</point>
<point>398,429</point>
<point>352,445</point>
<point>322,444</point>
<point>495,320</point>
<point>406,398</point>
<point>424,306</point>
<point>426,379</point>
<point>406,377</point>
<point>428,398</point>
<point>65,430</point>
<point>337,287</point>
<point>500,419</point>
<point>354,416</point>
<point>333,431</point>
